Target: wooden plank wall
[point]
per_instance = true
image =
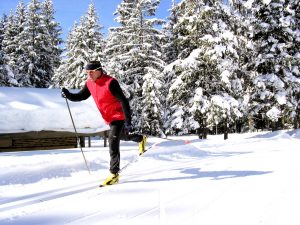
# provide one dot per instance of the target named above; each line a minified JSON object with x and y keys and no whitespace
{"x":42,"y":140}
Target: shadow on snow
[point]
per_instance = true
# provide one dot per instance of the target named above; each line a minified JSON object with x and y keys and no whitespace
{"x":195,"y":173}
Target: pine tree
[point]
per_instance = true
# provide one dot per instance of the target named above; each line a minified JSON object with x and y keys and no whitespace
{"x":53,"y":36}
{"x":135,"y":57}
{"x":184,"y":85}
{"x":9,"y":49}
{"x":241,"y":6}
{"x":94,"y":38}
{"x":294,"y":9}
{"x":240,"y":26}
{"x":69,"y":73}
{"x":85,"y":42}
{"x":277,"y":60}
{"x":9,"y":42}
{"x":152,"y":111}
{"x":20,"y":18}
{"x":32,"y":62}
{"x":31,"y":44}
{"x":207,"y":89}
{"x":170,"y":52}
{"x":121,"y":44}
{"x":3,"y":71}
{"x":170,"y":44}
{"x":3,"y":20}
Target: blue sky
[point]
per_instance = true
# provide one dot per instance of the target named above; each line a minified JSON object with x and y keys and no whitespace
{"x":69,"y":11}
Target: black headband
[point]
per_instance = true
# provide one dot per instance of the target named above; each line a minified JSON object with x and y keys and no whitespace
{"x":93,"y":66}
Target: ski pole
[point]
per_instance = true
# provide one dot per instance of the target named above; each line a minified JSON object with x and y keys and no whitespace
{"x":77,"y":136}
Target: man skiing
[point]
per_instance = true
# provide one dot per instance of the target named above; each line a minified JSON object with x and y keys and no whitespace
{"x":115,"y":110}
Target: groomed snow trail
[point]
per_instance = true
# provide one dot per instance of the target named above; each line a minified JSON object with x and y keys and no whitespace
{"x":249,"y":179}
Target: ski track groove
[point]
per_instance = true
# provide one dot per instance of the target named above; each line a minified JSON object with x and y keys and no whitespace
{"x":58,"y":194}
{"x":82,"y":219}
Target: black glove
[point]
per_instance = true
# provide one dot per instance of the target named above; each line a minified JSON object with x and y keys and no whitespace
{"x":65,"y":93}
{"x":128,"y":128}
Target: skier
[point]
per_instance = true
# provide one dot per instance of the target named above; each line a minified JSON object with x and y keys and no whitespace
{"x":115,"y":110}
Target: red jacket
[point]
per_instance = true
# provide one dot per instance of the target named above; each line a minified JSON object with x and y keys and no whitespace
{"x":108,"y":105}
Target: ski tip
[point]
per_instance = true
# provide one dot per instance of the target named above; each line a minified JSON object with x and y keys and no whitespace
{"x":142,"y":153}
{"x":105,"y":185}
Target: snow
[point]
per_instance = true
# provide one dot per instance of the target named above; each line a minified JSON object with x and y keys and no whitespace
{"x":273,"y":113}
{"x":248,"y":4}
{"x":36,"y":109}
{"x":281,"y":98}
{"x":266,"y":2}
{"x":249,"y":179}
{"x":191,"y":60}
{"x":225,"y":76}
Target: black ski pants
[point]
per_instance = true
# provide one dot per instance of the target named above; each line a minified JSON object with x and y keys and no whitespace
{"x":116,"y":134}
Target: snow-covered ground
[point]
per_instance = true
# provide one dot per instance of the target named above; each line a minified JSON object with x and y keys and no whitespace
{"x":250,"y":179}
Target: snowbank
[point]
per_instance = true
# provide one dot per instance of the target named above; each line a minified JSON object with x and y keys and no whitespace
{"x":36,"y":109}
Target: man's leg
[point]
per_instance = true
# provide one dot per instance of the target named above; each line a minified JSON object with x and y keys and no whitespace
{"x":141,"y":139}
{"x":131,"y":137}
{"x":116,"y":128}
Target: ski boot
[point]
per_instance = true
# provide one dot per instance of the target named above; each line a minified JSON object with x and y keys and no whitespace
{"x":112,"y":179}
{"x":142,"y":145}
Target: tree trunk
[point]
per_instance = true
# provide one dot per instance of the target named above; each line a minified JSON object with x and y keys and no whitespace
{"x":251,"y":124}
{"x":274,"y":126}
{"x":226,"y":129}
{"x":202,"y":130}
{"x":277,"y":125}
{"x":297,"y":121}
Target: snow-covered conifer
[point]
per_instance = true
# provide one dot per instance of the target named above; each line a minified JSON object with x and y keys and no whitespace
{"x":276,"y":81}
{"x":135,"y":57}
{"x":170,"y":52}
{"x":85,"y":42}
{"x":170,"y":44}
{"x":240,"y":24}
{"x":69,"y":73}
{"x":32,"y":62}
{"x":9,"y":42}
{"x":53,"y":36}
{"x":3,"y":71}
{"x":152,"y":110}
{"x":9,"y":49}
{"x":207,"y":89}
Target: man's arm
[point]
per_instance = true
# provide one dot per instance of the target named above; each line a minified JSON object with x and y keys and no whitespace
{"x":116,"y":91}
{"x":83,"y":94}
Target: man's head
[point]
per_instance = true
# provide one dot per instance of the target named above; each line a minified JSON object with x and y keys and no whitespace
{"x":93,"y":70}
